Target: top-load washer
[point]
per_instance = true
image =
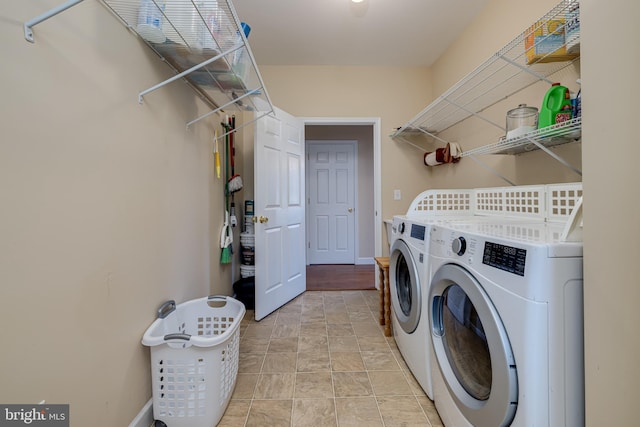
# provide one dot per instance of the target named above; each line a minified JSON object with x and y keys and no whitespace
{"x":506,"y":325}
{"x":407,"y":285}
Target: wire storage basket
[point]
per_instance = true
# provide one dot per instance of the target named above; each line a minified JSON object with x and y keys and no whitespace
{"x":194,"y":360}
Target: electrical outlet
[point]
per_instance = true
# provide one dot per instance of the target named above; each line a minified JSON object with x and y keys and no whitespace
{"x":397,"y":195}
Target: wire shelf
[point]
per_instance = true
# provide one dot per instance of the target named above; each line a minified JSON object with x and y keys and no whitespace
{"x":205,"y":44}
{"x":505,"y":73}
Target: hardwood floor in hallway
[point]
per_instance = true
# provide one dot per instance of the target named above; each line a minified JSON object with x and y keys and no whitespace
{"x":332,"y":277}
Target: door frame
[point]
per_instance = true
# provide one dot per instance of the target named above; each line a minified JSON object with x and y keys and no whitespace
{"x":377,"y":167}
{"x":354,"y":144}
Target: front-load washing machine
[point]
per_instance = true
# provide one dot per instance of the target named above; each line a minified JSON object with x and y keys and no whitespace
{"x":407,"y":285}
{"x":506,"y":325}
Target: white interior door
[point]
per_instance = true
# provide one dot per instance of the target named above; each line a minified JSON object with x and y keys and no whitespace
{"x":279,"y":210}
{"x":331,"y":202}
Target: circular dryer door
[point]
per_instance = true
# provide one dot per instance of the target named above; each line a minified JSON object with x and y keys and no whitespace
{"x":404,"y":285}
{"x":472,"y":348}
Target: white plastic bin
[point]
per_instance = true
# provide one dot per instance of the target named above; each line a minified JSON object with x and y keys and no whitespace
{"x":194,"y":359}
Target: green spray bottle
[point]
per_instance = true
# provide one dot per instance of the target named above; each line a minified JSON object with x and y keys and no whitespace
{"x":556,"y":106}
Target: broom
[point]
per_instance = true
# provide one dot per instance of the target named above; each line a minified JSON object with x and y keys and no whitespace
{"x":226,"y":236}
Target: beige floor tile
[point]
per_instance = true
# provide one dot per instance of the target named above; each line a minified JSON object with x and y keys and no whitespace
{"x":379,"y":361}
{"x":291,"y":308}
{"x":245,"y":386}
{"x":358,"y":412}
{"x":367,"y":329}
{"x":285,"y":331}
{"x":339,"y":330}
{"x":361,"y":316}
{"x":279,"y":362}
{"x":313,"y":328}
{"x":337,"y":317}
{"x":429,"y":408}
{"x":339,"y":307}
{"x":346,"y":343}
{"x":309,"y":343}
{"x":314,"y":314}
{"x":270,"y":413}
{"x":314,"y":413}
{"x":288,"y":318}
{"x":346,"y":361}
{"x":314,"y":362}
{"x":275,"y":386}
{"x":389,"y":383}
{"x":351,"y":384}
{"x":401,"y":411}
{"x":283,"y":345}
{"x":236,"y":414}
{"x":255,"y":330}
{"x":254,"y":345}
{"x":375,"y":343}
{"x":250,"y":362}
{"x":313,"y":385}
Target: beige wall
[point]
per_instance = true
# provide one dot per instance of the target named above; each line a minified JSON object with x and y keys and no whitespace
{"x":612,"y":208}
{"x":109,"y":208}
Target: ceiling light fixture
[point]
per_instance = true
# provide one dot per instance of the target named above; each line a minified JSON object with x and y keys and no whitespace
{"x":357,"y":1}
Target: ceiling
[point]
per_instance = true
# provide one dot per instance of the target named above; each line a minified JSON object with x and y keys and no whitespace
{"x":339,"y":32}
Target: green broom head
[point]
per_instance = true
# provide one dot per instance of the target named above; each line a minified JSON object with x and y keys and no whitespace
{"x":225,"y":255}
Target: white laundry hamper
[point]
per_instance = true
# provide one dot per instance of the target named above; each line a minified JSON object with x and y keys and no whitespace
{"x":194,"y":360}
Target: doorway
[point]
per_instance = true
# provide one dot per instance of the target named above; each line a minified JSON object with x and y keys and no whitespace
{"x":366,"y":131}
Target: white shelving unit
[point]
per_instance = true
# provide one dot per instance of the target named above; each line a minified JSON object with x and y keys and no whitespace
{"x":504,"y":74}
{"x":202,"y":40}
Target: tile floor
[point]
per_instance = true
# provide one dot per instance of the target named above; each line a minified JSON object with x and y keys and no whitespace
{"x":322,"y":360}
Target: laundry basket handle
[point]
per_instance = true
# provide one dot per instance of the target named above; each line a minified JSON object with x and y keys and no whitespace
{"x":185,"y":337}
{"x":219,"y":297}
{"x":166,"y":309}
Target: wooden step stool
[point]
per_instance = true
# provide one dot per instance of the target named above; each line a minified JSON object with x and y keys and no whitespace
{"x":385,"y":303}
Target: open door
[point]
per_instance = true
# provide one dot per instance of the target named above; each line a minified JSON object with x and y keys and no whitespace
{"x":280,"y":273}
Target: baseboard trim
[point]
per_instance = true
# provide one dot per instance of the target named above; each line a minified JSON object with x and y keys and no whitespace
{"x":144,"y":417}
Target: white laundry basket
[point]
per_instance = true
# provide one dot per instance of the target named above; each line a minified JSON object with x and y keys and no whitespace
{"x":194,"y":360}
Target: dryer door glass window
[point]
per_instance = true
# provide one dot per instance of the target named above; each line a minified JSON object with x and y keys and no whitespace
{"x":465,"y":343}
{"x":403,"y":285}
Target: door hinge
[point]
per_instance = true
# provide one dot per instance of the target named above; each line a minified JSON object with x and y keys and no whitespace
{"x":309,"y":245}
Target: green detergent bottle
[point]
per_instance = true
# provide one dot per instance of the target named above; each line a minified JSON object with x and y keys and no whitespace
{"x":556,"y":107}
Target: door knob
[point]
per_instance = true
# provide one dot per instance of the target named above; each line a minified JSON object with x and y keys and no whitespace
{"x":350,"y":210}
{"x":263,"y":219}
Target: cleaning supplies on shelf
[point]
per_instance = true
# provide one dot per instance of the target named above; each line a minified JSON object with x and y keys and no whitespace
{"x":572,"y":32}
{"x":556,"y":106}
{"x":545,"y":42}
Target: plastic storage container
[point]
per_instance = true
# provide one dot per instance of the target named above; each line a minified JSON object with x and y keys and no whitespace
{"x":194,"y":359}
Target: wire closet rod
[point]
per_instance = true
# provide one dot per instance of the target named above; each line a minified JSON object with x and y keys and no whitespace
{"x":28,"y":26}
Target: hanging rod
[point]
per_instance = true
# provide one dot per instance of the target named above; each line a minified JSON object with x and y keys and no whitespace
{"x":28,"y":26}
{"x":235,"y":100}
